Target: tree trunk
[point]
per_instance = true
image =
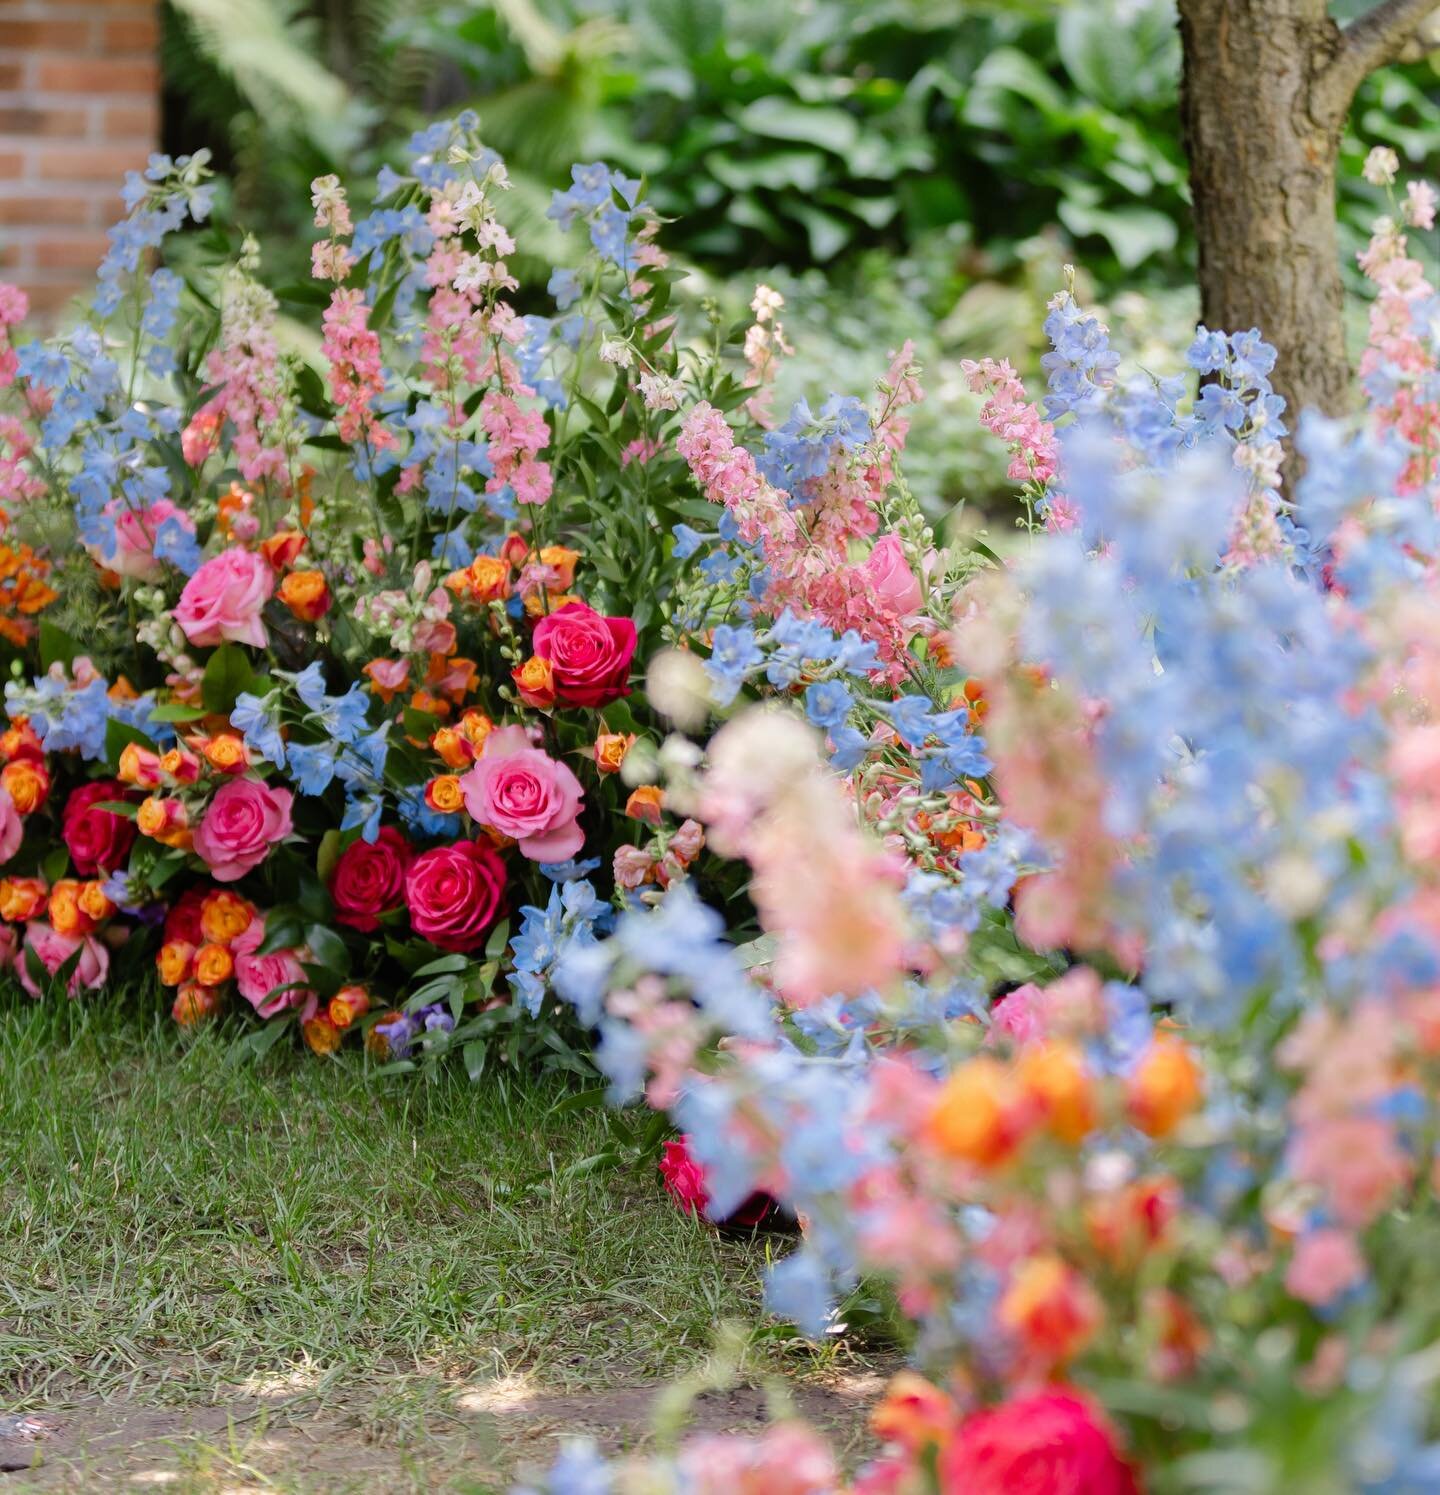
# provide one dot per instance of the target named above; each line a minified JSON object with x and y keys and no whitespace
{"x":1262,"y":121}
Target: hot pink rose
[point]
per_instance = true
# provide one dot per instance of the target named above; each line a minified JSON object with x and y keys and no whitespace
{"x":685,"y":1183}
{"x":1052,"y":1443}
{"x":261,"y":978}
{"x":223,"y":599}
{"x":12,"y":828}
{"x":369,"y":878}
{"x":525,"y":794}
{"x":455,"y":893}
{"x":98,"y":840}
{"x":245,"y":819}
{"x":53,"y":950}
{"x":589,"y":655}
{"x":135,"y":532}
{"x":892,"y":581}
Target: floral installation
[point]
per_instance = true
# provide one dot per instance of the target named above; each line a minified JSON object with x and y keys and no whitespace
{"x":1122,"y":1075}
{"x":1077,"y":977}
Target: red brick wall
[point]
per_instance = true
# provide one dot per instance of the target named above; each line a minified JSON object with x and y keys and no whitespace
{"x":79,"y":106}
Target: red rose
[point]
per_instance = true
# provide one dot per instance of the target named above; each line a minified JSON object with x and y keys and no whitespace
{"x":98,"y":840}
{"x":182,"y":921}
{"x":684,"y":1181}
{"x":369,"y":878}
{"x":455,"y":893}
{"x":589,"y":656}
{"x":1053,"y":1443}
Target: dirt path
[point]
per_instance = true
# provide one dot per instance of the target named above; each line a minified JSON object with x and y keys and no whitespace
{"x":416,"y":1433}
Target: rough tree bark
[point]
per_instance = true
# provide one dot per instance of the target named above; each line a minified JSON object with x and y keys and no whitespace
{"x":1266,"y":91}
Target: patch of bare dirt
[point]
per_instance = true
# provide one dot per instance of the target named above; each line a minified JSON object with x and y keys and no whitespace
{"x":419,"y":1434}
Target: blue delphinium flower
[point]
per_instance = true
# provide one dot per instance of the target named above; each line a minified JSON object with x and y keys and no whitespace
{"x":828,"y":703}
{"x":733,"y":652}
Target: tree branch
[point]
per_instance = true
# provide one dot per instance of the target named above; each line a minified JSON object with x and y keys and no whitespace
{"x":1381,"y":35}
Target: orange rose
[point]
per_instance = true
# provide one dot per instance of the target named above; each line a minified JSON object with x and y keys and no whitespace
{"x":376,"y":1044}
{"x":477,"y":727}
{"x":535,"y":681}
{"x":978,"y":1116}
{"x":454,"y":748}
{"x":306,"y":594}
{"x":348,"y":1004}
{"x":1051,"y":1309}
{"x":1165,"y":1087}
{"x":194,"y":1003}
{"x":174,"y":961}
{"x":645,"y":803}
{"x":165,"y":821}
{"x":224,"y":916}
{"x":27,"y":782}
{"x":561,"y":561}
{"x":1054,"y":1075}
{"x":485,"y":579}
{"x":18,"y":740}
{"x":66,"y":915}
{"x":610,"y":749}
{"x":22,"y":898}
{"x":321,"y":1035}
{"x":213,"y":965}
{"x":913,"y":1413}
{"x":283,"y":548}
{"x":93,"y":902}
{"x":443,"y":794}
{"x":226,"y":753}
{"x":181,"y":765}
{"x":138,"y":766}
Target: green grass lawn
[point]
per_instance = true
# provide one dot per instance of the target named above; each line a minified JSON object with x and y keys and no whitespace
{"x":184,"y":1230}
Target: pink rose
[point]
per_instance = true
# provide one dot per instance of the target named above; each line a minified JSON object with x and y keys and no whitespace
{"x":455,"y":893}
{"x":135,"y":532}
{"x":1054,"y":1441}
{"x":223,"y":599}
{"x":245,"y":819}
{"x":1326,"y":1263}
{"x":891,"y":580}
{"x":53,"y":950}
{"x":589,"y":655}
{"x":525,"y":794}
{"x":262,"y":977}
{"x":685,"y":1182}
{"x":12,"y":828}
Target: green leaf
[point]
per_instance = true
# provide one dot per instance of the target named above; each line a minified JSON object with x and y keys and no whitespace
{"x":446,"y":965}
{"x":56,"y":646}
{"x":175,"y":713}
{"x":283,"y":931}
{"x":495,"y":945}
{"x":1134,"y":234}
{"x":227,"y":674}
{"x":329,"y":950}
{"x":420,"y":725}
{"x":327,"y":854}
{"x":828,"y":234}
{"x":55,"y":865}
{"x":474,"y":1054}
{"x":117,"y":807}
{"x":782,"y":119}
{"x":581,"y":1100}
{"x":757,"y":952}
